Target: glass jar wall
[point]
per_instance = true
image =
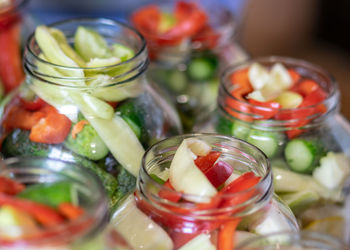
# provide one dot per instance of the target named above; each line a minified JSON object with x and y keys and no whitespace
{"x":284,"y":240}
{"x":166,"y":211}
{"x":11,"y":72}
{"x":308,"y":144}
{"x":46,"y":205}
{"x":189,"y":42}
{"x":86,"y":100}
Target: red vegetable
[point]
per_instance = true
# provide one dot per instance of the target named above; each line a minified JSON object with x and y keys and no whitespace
{"x":10,"y":187}
{"x":207,"y":161}
{"x":11,"y":72}
{"x":170,"y":195}
{"x":219,"y":173}
{"x":265,"y":110}
{"x":190,"y":19}
{"x":51,"y":129}
{"x":239,"y":187}
{"x":70,"y":211}
{"x":33,"y":105}
{"x":46,"y":215}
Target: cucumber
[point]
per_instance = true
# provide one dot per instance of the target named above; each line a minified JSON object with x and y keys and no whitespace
{"x":122,"y":52}
{"x":51,"y":194}
{"x":303,"y":155}
{"x":269,"y":142}
{"x":202,"y":68}
{"x":87,"y":143}
{"x":235,"y":128}
{"x":18,"y":144}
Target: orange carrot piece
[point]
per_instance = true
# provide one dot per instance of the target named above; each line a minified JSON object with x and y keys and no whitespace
{"x":70,"y":211}
{"x":78,"y":127}
{"x":226,"y":235}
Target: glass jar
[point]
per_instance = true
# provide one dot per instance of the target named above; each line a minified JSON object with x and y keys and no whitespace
{"x":149,"y":220}
{"x":286,"y":240}
{"x":186,"y":60}
{"x":99,"y":117}
{"x":308,"y":145}
{"x":89,"y":231}
{"x":11,"y":72}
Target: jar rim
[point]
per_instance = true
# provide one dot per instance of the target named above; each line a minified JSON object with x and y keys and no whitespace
{"x":311,"y":237}
{"x":94,"y":217}
{"x":13,"y":7}
{"x":330,"y":101}
{"x":263,"y":189}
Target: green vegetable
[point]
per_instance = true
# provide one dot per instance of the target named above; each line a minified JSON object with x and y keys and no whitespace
{"x":18,"y":144}
{"x":122,"y":52}
{"x":87,"y":143}
{"x":124,"y":144}
{"x":126,"y":181}
{"x":269,"y":142}
{"x":51,"y":194}
{"x":90,"y":44}
{"x":202,"y":68}
{"x":53,"y":52}
{"x":303,"y":155}
{"x":157,"y":179}
{"x":134,"y":117}
{"x":235,"y":128}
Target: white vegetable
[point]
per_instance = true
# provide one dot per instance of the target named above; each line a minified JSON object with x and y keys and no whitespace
{"x":279,"y":75}
{"x":138,"y":229}
{"x":275,"y":221}
{"x":201,"y":242}
{"x":334,"y":169}
{"x":186,"y":177}
{"x":268,"y":85}
{"x":258,"y":76}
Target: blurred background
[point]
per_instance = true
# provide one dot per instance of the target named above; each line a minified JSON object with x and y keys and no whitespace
{"x":314,"y":30}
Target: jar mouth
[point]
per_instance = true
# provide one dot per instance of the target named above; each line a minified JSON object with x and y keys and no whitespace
{"x":127,"y":70}
{"x":281,"y":116}
{"x":43,"y":170}
{"x":232,"y":149}
{"x":286,"y":238}
{"x":220,"y":20}
{"x":13,"y":7}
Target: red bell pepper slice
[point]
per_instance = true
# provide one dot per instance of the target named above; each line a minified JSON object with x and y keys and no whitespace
{"x":51,"y":129}
{"x":207,"y":161}
{"x":265,"y":110}
{"x":170,"y":195}
{"x":226,"y":235}
{"x":10,"y":187}
{"x":147,"y":19}
{"x":207,"y":37}
{"x":11,"y":72}
{"x":46,"y":215}
{"x":33,"y":105}
{"x":18,"y":117}
{"x":294,"y":75}
{"x":219,"y":173}
{"x":70,"y":211}
{"x":241,"y":184}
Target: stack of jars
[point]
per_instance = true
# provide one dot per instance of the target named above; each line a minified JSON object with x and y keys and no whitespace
{"x":95,"y":158}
